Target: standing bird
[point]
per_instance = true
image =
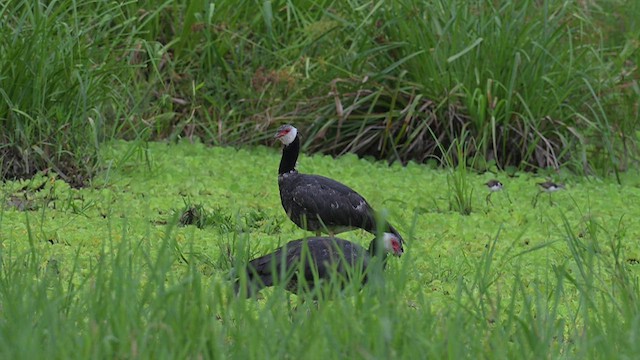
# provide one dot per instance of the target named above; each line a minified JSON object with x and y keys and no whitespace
{"x":298,"y":260}
{"x":317,"y":203}
{"x":494,"y":186}
{"x":548,"y":187}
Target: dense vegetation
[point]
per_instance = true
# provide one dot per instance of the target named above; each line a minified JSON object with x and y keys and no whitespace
{"x":533,"y":84}
{"x":107,"y":272}
{"x":128,"y":97}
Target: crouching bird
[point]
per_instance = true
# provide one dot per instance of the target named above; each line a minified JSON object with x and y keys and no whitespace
{"x":300,"y":265}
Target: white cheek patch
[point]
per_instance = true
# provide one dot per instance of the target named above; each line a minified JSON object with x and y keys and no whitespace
{"x":388,"y":239}
{"x":290,"y":136}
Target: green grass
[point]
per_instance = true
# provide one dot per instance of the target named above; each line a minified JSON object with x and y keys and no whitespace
{"x":57,"y":89}
{"x":137,"y":263}
{"x":107,"y":271}
{"x":536,"y":84}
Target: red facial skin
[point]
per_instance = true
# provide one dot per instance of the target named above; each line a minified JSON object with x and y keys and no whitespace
{"x":282,"y":133}
{"x":397,"y":249}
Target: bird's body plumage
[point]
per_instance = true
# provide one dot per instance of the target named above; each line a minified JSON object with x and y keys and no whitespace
{"x":494,"y":185}
{"x":318,"y":203}
{"x":550,"y":186}
{"x":313,"y":258}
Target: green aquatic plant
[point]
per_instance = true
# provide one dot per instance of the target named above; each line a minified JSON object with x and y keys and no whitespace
{"x":122,"y":278}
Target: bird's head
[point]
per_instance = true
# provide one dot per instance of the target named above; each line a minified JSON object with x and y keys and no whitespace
{"x":494,"y":185}
{"x":392,"y":244}
{"x":286,"y":134}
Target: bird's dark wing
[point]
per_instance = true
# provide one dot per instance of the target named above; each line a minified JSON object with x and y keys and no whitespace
{"x":305,"y":259}
{"x":327,"y":255}
{"x":297,"y":259}
{"x":334,"y":203}
{"x":265,"y":266}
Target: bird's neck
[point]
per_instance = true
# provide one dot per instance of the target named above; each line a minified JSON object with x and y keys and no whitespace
{"x":375,"y":249}
{"x":289,"y":157}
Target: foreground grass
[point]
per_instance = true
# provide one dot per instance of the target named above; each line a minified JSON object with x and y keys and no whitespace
{"x":104,"y":272}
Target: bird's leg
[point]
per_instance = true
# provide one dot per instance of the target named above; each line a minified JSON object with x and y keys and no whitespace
{"x":508,"y":197}
{"x":488,"y":199}
{"x":535,"y":199}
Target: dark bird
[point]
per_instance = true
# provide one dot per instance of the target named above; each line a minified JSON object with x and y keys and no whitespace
{"x":317,"y":203}
{"x":326,"y":257}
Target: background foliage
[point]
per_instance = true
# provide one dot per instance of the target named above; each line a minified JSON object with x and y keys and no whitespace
{"x":536,"y":84}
